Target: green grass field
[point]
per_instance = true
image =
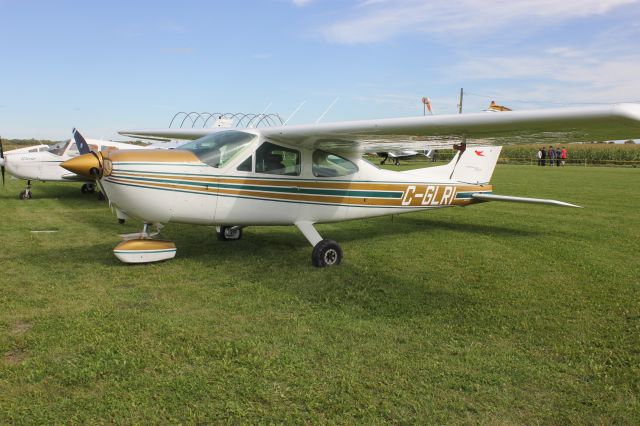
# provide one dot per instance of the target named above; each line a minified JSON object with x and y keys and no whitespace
{"x":498,"y":313}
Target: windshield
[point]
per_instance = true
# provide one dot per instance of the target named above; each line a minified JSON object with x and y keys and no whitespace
{"x":58,"y":149}
{"x":219,"y":148}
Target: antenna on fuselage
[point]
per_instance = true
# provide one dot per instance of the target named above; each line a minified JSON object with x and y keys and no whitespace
{"x":328,"y":109}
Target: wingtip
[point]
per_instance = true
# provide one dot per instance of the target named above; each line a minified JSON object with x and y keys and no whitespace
{"x":628,"y":110}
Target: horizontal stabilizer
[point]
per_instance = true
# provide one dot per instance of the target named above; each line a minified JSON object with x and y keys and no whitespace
{"x":494,"y":197}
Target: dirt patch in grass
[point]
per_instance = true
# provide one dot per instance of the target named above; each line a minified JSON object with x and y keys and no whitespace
{"x":15,"y":356}
{"x":21,"y":327}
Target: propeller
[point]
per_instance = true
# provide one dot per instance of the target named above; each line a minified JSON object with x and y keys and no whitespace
{"x":2,"y":160}
{"x":84,"y":165}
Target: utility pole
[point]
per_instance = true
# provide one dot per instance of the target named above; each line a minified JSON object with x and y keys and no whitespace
{"x":460,"y":104}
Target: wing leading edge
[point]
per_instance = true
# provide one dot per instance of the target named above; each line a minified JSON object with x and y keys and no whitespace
{"x":584,"y":124}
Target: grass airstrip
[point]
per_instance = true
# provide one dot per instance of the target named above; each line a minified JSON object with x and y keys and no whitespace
{"x":497,"y":313}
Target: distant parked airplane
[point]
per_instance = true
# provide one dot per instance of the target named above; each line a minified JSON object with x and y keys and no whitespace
{"x":42,"y":163}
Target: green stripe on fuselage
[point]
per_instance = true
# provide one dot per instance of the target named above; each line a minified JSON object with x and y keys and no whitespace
{"x":279,"y":189}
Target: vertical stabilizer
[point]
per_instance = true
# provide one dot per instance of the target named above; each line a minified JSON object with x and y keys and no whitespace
{"x":476,"y":164}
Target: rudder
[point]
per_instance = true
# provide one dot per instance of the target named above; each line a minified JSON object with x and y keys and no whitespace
{"x":475,"y":165}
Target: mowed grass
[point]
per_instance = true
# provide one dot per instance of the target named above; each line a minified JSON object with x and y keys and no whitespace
{"x":496,"y":313}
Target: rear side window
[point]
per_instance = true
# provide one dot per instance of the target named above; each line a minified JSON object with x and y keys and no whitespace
{"x":277,"y":160}
{"x":326,"y":164}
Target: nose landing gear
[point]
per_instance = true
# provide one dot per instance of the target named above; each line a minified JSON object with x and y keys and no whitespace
{"x":88,"y":188}
{"x":26,"y":193}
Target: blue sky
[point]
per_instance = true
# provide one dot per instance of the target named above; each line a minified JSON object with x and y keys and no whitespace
{"x":105,"y":66}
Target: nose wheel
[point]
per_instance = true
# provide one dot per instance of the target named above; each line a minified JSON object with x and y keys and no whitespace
{"x":88,"y":188}
{"x":26,"y":193}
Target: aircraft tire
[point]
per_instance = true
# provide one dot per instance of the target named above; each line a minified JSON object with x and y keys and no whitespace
{"x":26,"y":195}
{"x":87,"y":188}
{"x":227,"y":233}
{"x":326,"y":253}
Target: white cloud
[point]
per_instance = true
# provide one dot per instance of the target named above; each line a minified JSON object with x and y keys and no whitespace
{"x":378,"y":20}
{"x":301,"y":3}
{"x":561,"y":74}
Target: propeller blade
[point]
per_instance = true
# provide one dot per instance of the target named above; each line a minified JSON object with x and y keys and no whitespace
{"x":2,"y":157}
{"x":97,"y":174}
{"x":81,"y":143}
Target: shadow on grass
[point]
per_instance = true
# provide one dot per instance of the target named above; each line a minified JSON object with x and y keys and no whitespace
{"x":278,"y":258}
{"x":49,"y":190}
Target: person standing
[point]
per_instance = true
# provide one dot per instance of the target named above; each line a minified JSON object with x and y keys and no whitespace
{"x":540,"y":157}
{"x":544,"y":156}
{"x":558,"y":154}
{"x":551,"y":154}
{"x":563,"y":154}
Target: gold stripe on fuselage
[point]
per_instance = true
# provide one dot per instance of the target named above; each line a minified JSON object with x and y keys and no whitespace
{"x":153,"y":156}
{"x":412,"y":195}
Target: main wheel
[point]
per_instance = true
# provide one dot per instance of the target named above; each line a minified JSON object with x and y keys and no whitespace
{"x":326,"y":253}
{"x":26,"y":195}
{"x":229,"y":233}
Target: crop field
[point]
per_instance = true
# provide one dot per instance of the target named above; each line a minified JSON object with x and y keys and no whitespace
{"x":497,"y":313}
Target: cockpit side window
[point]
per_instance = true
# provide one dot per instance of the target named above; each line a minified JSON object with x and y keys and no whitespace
{"x":219,"y":148}
{"x":326,"y":164}
{"x":246,"y":165}
{"x":277,"y":160}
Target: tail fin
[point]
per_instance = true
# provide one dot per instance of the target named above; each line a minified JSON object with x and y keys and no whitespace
{"x":81,"y":143}
{"x":475,"y":164}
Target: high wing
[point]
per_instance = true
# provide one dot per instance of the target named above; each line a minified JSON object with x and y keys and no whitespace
{"x":585,"y":124}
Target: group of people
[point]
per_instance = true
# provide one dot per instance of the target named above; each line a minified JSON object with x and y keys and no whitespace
{"x":557,"y":156}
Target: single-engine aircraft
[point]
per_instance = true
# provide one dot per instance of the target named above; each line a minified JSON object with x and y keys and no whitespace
{"x":308,"y":174}
{"x":43,"y":165}
{"x":397,"y":155}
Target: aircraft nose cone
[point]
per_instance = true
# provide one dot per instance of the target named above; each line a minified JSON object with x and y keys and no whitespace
{"x":87,"y":165}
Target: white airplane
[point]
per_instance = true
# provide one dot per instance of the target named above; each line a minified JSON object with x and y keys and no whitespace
{"x":397,"y":155}
{"x":44,"y":164}
{"x":309,"y":174}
